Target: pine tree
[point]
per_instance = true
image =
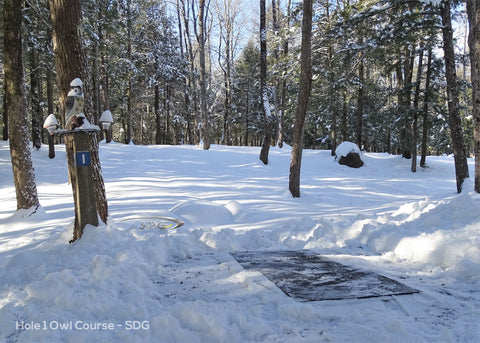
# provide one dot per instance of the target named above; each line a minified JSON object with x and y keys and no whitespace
{"x":245,"y":95}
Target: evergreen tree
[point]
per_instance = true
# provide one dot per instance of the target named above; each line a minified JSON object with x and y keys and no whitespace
{"x":246,"y":96}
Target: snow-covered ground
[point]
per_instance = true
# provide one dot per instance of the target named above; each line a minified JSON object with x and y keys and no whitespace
{"x":122,"y":284}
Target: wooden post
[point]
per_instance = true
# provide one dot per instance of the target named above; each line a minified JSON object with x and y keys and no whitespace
{"x":51,"y":146}
{"x":82,"y":182}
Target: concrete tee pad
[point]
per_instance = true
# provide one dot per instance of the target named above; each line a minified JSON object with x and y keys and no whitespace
{"x":306,"y":276}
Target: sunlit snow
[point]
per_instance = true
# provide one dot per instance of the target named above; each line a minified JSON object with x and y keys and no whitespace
{"x":123,"y":284}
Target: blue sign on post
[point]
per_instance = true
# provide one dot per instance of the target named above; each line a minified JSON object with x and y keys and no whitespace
{"x":83,"y":158}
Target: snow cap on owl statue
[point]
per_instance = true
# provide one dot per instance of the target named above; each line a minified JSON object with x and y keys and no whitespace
{"x":77,"y":87}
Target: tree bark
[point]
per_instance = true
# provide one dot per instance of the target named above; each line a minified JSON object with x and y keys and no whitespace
{"x":71,"y":63}
{"x":129,"y":119}
{"x":283,"y":105}
{"x":158,"y":118}
{"x":267,"y":135}
{"x":5,"y":115}
{"x":361,"y":99}
{"x":455,"y":122}
{"x":23,"y":172}
{"x":473,"y":10}
{"x":227,"y":14}
{"x":426,"y":99}
{"x":203,"y":77}
{"x":35,"y":90}
{"x":303,"y":95}
{"x":415,"y":110}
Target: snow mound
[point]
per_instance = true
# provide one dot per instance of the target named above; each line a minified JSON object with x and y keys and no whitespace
{"x":202,"y":212}
{"x":345,"y":148}
{"x":442,"y":235}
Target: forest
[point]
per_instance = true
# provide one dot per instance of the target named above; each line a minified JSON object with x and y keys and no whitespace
{"x":377,"y":67}
{"x":384,"y":73}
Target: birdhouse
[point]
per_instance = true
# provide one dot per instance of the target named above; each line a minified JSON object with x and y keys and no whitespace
{"x":106,"y":119}
{"x":51,"y":124}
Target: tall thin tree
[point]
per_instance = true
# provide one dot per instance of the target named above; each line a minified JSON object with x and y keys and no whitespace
{"x":129,"y":115}
{"x":426,"y":99}
{"x":473,"y":10}
{"x":455,"y":121}
{"x":303,"y":95}
{"x":281,"y":121}
{"x":23,"y":172}
{"x":267,"y":135}
{"x":205,"y":132}
{"x":415,"y":110}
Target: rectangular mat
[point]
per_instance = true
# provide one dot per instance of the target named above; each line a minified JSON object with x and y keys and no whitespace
{"x":305,"y":276}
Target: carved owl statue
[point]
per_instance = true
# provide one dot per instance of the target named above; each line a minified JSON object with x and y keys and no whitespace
{"x":74,"y":105}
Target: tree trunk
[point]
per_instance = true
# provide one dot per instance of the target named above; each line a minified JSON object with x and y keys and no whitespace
{"x":455,"y":122}
{"x":35,"y":92}
{"x":205,"y":132}
{"x":415,"y":110}
{"x":344,"y":115}
{"x":267,"y":135}
{"x":361,"y":96}
{"x":97,"y":108}
{"x":425,"y":110}
{"x":49,"y":82}
{"x":158,"y":119}
{"x":129,"y":119}
{"x":473,"y":10}
{"x":283,"y":106}
{"x":408,"y":70}
{"x":227,"y":16}
{"x":71,"y":63}
{"x":277,"y":79}
{"x":303,"y":95}
{"x":5,"y":115}
{"x":191,"y":83}
{"x":23,"y":173}
{"x":189,"y":136}
{"x":332,"y":108}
